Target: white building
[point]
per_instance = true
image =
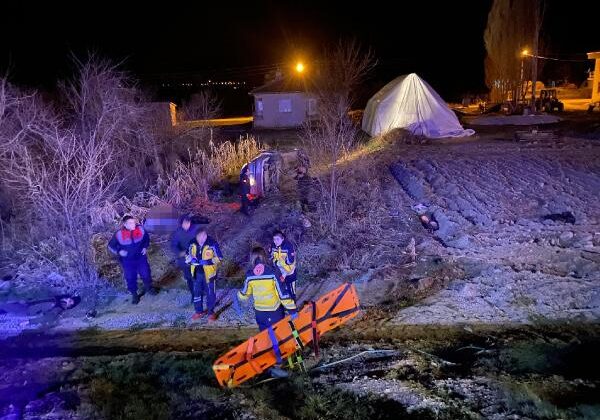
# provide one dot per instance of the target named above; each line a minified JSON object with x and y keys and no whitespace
{"x":283,"y":103}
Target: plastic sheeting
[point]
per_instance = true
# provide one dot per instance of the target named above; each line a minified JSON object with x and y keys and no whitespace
{"x":409,"y":102}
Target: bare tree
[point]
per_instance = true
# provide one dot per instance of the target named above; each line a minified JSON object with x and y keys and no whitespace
{"x":538,"y":8}
{"x":21,"y":113}
{"x":511,"y":28}
{"x":105,"y":106}
{"x":330,"y":136}
{"x":204,"y":105}
{"x":65,"y":164}
{"x":194,"y":127}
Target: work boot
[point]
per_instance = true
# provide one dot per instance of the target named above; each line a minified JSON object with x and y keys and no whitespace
{"x":135,"y":299}
{"x":198,"y":315}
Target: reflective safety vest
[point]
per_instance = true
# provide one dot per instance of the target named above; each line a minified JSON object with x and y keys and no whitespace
{"x":210,"y":253}
{"x":268,"y":292}
{"x":284,"y":256}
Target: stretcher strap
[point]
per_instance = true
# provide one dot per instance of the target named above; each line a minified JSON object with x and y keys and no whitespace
{"x":249,"y":349}
{"x":298,"y":363}
{"x":249,"y":356}
{"x":315,"y":333}
{"x":296,"y":335}
{"x":275,"y":344}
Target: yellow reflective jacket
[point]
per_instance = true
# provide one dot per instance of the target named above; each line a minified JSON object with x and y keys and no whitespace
{"x":268,"y":292}
{"x":210,"y":254}
{"x":284,"y":257}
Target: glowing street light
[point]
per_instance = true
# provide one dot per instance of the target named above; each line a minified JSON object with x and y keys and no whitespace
{"x":299,"y":67}
{"x":525,"y":52}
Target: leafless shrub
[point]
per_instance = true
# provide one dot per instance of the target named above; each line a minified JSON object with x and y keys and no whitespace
{"x":201,"y":106}
{"x":331,"y":136}
{"x":64,"y":165}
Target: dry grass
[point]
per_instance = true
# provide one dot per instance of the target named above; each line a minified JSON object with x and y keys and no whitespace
{"x":231,"y":156}
{"x":112,"y":211}
{"x":193,"y":180}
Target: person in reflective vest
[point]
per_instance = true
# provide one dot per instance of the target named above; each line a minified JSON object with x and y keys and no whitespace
{"x":283,"y":256}
{"x":204,"y":257}
{"x":271,"y":296}
{"x":130,"y":245}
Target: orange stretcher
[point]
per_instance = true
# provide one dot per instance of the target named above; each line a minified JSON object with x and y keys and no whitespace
{"x":284,"y":338}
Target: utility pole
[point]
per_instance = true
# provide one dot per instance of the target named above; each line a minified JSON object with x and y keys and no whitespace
{"x":522,"y":89}
{"x":538,"y":16}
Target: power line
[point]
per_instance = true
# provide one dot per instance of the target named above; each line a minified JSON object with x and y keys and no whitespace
{"x":556,"y":59}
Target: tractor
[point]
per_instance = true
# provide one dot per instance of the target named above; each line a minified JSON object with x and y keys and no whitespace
{"x":548,"y":101}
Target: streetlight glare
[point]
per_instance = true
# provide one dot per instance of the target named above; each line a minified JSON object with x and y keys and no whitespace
{"x":299,"y":67}
{"x":525,"y":52}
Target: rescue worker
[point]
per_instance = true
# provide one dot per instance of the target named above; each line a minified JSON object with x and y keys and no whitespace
{"x":283,"y":256}
{"x":306,"y":188}
{"x":245,"y":191}
{"x":130,"y":244}
{"x":180,"y":242}
{"x":204,"y":257}
{"x":270,"y":294}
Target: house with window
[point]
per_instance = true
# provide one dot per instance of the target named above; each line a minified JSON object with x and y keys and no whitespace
{"x":283,"y":103}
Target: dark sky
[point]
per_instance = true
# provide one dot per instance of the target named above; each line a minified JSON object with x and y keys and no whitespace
{"x":442,"y":41}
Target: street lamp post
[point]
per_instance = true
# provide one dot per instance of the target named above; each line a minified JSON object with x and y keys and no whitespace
{"x":524,"y":53}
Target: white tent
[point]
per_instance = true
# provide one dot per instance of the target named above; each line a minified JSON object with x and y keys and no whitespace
{"x":409,"y":102}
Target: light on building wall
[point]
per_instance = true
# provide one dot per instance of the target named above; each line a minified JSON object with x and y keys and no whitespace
{"x":300,"y":67}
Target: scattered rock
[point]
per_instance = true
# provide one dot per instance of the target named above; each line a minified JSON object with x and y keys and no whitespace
{"x":466,"y":290}
{"x":460,"y":242}
{"x":566,"y":239}
{"x":584,"y":240}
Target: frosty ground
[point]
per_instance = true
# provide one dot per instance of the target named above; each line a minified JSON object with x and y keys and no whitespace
{"x":493,"y":315}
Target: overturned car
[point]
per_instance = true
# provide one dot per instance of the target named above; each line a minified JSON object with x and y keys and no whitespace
{"x":264,"y":173}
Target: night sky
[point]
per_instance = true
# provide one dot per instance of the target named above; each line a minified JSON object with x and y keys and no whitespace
{"x":441,"y":41}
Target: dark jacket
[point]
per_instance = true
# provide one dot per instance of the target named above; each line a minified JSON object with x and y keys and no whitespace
{"x":131,"y":241}
{"x":181,"y":239}
{"x":244,"y":182}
